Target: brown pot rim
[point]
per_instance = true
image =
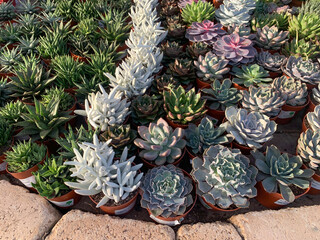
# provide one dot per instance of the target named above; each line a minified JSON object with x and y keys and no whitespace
{"x":287,"y":107}
{"x":216,"y":208}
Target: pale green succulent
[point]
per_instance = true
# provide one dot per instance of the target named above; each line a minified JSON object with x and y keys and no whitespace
{"x":198,"y":12}
{"x":271,"y":37}
{"x":313,"y":118}
{"x":306,"y":26}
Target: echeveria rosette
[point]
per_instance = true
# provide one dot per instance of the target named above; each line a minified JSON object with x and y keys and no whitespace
{"x":224,"y":177}
{"x":271,"y":38}
{"x":183,"y":3}
{"x":205,"y":31}
{"x":315,"y":95}
{"x":211,"y":67}
{"x":309,"y":148}
{"x":271,"y":62}
{"x":278,"y":172}
{"x":251,"y":129}
{"x":160,"y":143}
{"x":166,"y":191}
{"x":304,"y":70}
{"x":201,"y":137}
{"x":238,"y":50}
{"x":242,"y":31}
{"x":313,"y":118}
{"x":264,"y":99}
{"x":229,"y":14}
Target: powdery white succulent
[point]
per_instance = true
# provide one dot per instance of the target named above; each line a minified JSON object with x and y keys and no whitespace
{"x":103,"y":109}
{"x":97,"y":171}
{"x":229,"y":14}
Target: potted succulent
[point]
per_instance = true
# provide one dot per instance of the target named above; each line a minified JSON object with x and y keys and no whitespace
{"x":167,"y":194}
{"x":308,"y":150}
{"x":183,"y":107}
{"x":175,"y":27}
{"x":305,"y":25}
{"x":160,"y":144}
{"x":50,"y":183}
{"x":250,"y":129}
{"x":201,"y":137}
{"x":9,"y":35}
{"x":171,"y":50}
{"x":115,"y":191}
{"x":197,"y":49}
{"x":7,"y":11}
{"x":314,"y":98}
{"x":67,"y":101}
{"x":241,"y":30}
{"x":23,"y":159}
{"x":197,"y":12}
{"x":219,"y":97}
{"x":301,"y":48}
{"x":12,"y":112}
{"x":296,"y":97}
{"x":281,"y":178}
{"x":183,"y":70}
{"x":225,"y":179}
{"x":312,"y":120}
{"x":271,"y":62}
{"x":210,"y":67}
{"x":163,"y":82}
{"x":8,"y":59}
{"x":84,"y":10}
{"x":6,"y":140}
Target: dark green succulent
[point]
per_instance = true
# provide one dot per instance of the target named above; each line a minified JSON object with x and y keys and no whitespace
{"x":5,"y":92}
{"x":9,"y":33}
{"x":12,"y":111}
{"x":86,"y":86}
{"x":280,"y":20}
{"x":29,"y":25}
{"x":183,"y":70}
{"x":162,"y":82}
{"x":28,"y":46}
{"x":51,"y":45}
{"x":8,"y":59}
{"x":28,"y":7}
{"x":84,"y":10}
{"x":197,"y":49}
{"x":65,"y":9}
{"x":6,"y":132}
{"x":66,"y":100}
{"x":48,"y":6}
{"x":7,"y":11}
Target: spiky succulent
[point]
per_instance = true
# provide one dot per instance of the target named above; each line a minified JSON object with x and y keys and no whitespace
{"x":66,"y":100}
{"x":146,"y":109}
{"x":315,"y":95}
{"x":199,"y":138}
{"x":12,"y":111}
{"x":279,"y":172}
{"x":308,"y":148}
{"x":166,"y":191}
{"x":197,"y":12}
{"x":183,"y":70}
{"x":302,"y":48}
{"x":221,"y":95}
{"x":313,"y":119}
{"x":6,"y":133}
{"x":275,"y":19}
{"x":295,"y":91}
{"x":197,"y":49}
{"x":236,"y":49}
{"x":5,"y":92}
{"x":8,"y":59}
{"x":304,"y":70}
{"x":211,"y":67}
{"x":250,"y":75}
{"x":251,"y":129}
{"x":205,"y":31}
{"x":7,"y":11}
{"x":162,"y":82}
{"x":224,"y":177}
{"x":171,"y":50}
{"x":306,"y":26}
{"x":242,"y":31}
{"x":160,"y":143}
{"x":265,"y":99}
{"x":271,"y":62}
{"x":183,"y":107}
{"x":271,"y":38}
{"x":9,"y":33}
{"x":28,"y":7}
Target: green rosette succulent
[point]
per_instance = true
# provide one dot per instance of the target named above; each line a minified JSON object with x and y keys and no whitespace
{"x":6,"y":132}
{"x":160,"y":143}
{"x":66,"y":100}
{"x":271,"y":38}
{"x":313,"y":118}
{"x":5,"y":92}
{"x":252,"y":74}
{"x":166,"y":191}
{"x":302,"y":48}
{"x":198,"y":12}
{"x":224,"y":177}
{"x":307,"y":26}
{"x":183,"y":107}
{"x":221,"y":95}
{"x":279,"y":172}
{"x":12,"y":111}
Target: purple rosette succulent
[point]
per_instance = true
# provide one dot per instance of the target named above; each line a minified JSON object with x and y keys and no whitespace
{"x":236,"y":49}
{"x":206,"y":31}
{"x":184,"y":3}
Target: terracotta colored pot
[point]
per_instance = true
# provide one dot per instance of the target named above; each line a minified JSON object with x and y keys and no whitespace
{"x":191,"y":155}
{"x":65,"y":201}
{"x":78,"y":58}
{"x":119,"y":210}
{"x":214,"y":207}
{"x":217,"y":114}
{"x":71,"y":91}
{"x":176,"y":125}
{"x":296,"y":3}
{"x":245,"y":150}
{"x":201,"y":84}
{"x":217,"y":3}
{"x":10,"y":46}
{"x":13,"y":2}
{"x":304,"y":125}
{"x":274,"y":75}
{"x":311,"y":106}
{"x":239,"y":87}
{"x":315,"y":185}
{"x":122,"y":47}
{"x":174,"y":221}
{"x":273,"y":200}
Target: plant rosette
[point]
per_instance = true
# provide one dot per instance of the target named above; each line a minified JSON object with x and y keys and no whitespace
{"x":65,"y":201}
{"x":3,"y":164}
{"x":309,"y":85}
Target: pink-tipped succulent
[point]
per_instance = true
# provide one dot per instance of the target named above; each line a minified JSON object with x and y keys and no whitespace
{"x":184,"y":3}
{"x":206,"y":31}
{"x":236,"y":49}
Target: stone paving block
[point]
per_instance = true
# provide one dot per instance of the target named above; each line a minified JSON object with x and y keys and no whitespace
{"x":286,"y":224}
{"x":206,"y":231}
{"x":24,"y":215}
{"x":78,"y":225}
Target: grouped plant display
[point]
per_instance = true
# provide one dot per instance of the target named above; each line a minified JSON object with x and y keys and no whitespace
{"x":313,"y":119}
{"x":224,"y":177}
{"x":183,"y":70}
{"x":302,"y":48}
{"x":250,"y":75}
{"x":280,"y":173}
{"x":306,"y":25}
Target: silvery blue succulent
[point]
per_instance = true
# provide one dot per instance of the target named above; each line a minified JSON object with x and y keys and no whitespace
{"x":313,"y":118}
{"x":224,"y":177}
{"x":251,"y":129}
{"x":229,"y":14}
{"x":166,"y":191}
{"x":271,"y":62}
{"x":316,"y":94}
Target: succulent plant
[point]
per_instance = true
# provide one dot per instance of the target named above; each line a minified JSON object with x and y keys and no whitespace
{"x":66,"y":100}
{"x":166,"y":191}
{"x":295,"y":91}
{"x":271,"y":38}
{"x":275,"y":19}
{"x":29,"y":25}
{"x":302,"y":48}
{"x":12,"y":111}
{"x":52,"y":45}
{"x":252,"y":74}
{"x":221,"y":95}
{"x":197,"y":49}
{"x":315,"y":95}
{"x":98,"y":171}
{"x":105,"y":109}
{"x":279,"y":172}
{"x":308,"y":148}
{"x":48,"y":6}
{"x":197,"y":12}
{"x":211,"y":67}
{"x":306,"y":26}
{"x":199,"y":138}
{"x":183,"y":107}
{"x":251,"y":129}
{"x":28,"y":45}
{"x":160,"y":143}
{"x":265,"y":99}
{"x":236,"y":49}
{"x":224,"y":177}
{"x":184,"y":3}
{"x":6,"y":133}
{"x":171,"y":50}
{"x":162,"y":83}
{"x":121,"y":136}
{"x":7,"y":11}
{"x":5,"y":92}
{"x":183,"y":70}
{"x":176,"y":29}
{"x":313,"y":119}
{"x":9,"y":33}
{"x":242,"y":30}
{"x":146,"y":109}
{"x":8,"y":59}
{"x":49,"y":18}
{"x":28,"y":7}
{"x":303,"y":70}
{"x":64,"y":9}
{"x":84,"y":10}
{"x":205,"y":31}
{"x":271,"y":62}
{"x":25,"y":155}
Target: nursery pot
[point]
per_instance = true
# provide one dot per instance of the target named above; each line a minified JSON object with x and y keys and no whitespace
{"x":315,"y":185}
{"x":274,"y":75}
{"x":202,"y":84}
{"x":273,"y":200}
{"x":312,"y":105}
{"x":179,"y":125}
{"x":47,"y":61}
{"x":122,"y":47}
{"x":51,"y":145}
{"x":191,"y":155}
{"x":217,"y":3}
{"x":121,"y":209}
{"x":245,"y":150}
{"x":217,"y":114}
{"x":13,"y":2}
{"x":239,"y":87}
{"x":66,"y":201}
{"x":174,"y":221}
{"x":214,"y":207}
